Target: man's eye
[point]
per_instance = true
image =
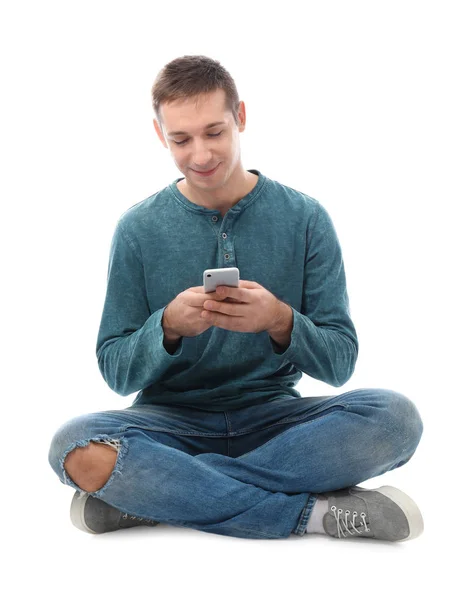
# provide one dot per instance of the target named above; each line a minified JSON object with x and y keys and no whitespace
{"x":209,"y":134}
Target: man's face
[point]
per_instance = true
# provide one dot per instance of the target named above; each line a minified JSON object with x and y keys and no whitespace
{"x":198,"y":147}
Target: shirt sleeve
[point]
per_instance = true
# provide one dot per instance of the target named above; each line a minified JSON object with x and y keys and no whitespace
{"x":129,"y":347}
{"x":324,"y":341}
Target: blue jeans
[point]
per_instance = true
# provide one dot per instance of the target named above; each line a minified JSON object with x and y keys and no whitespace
{"x":253,"y":472}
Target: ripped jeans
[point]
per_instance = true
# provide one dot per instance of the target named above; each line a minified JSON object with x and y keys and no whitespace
{"x":252,"y":472}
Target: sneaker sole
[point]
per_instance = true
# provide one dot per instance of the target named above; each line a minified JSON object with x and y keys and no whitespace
{"x":77,"y":510}
{"x":408,"y":506}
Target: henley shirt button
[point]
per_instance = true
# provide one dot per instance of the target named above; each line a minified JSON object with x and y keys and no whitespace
{"x":226,"y":256}
{"x":214,"y":218}
{"x":224,"y":235}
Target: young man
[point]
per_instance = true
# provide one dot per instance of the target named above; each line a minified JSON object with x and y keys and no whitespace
{"x":218,"y":438}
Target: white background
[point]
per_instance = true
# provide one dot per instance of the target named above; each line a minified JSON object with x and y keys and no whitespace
{"x":348,"y":102}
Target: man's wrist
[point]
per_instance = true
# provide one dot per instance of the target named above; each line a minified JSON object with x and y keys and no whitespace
{"x":170,"y":335}
{"x":171,"y":341}
{"x":282,"y":329}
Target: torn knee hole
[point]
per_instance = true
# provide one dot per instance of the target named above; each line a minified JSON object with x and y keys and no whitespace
{"x":112,"y":443}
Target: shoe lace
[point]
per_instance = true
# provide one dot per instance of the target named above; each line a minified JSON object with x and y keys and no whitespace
{"x":133,"y":518}
{"x":341,"y":522}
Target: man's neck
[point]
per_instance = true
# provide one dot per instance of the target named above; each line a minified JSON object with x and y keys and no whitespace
{"x":221,"y":199}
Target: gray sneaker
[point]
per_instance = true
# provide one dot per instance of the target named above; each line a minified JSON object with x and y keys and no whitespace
{"x":385,"y":513}
{"x":95,"y":516}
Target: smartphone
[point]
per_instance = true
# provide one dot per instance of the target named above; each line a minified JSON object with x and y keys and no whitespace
{"x":212,"y":278}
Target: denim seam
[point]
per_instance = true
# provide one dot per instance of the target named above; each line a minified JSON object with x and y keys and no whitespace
{"x":291,"y":419}
{"x":174,"y":431}
{"x":305,"y":515}
{"x":230,"y":433}
{"x":228,"y":429}
{"x":228,"y":421}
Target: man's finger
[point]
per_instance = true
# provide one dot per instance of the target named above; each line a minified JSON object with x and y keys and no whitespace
{"x":224,"y":308}
{"x":223,"y":321}
{"x":237,"y":294}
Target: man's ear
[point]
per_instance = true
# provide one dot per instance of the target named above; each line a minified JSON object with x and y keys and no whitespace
{"x":242,"y":116}
{"x":159,"y":132}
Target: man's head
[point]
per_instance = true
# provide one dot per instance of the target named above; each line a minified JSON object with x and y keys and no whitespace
{"x":189,"y":94}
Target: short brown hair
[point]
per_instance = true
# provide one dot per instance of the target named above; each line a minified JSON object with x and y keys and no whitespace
{"x":190,"y":76}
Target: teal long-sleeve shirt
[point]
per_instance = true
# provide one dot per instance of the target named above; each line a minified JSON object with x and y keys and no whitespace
{"x":277,"y":236}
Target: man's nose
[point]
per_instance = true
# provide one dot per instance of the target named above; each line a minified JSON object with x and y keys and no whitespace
{"x":202,"y":157}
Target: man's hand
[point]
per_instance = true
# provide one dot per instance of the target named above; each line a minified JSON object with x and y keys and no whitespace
{"x":250,"y":308}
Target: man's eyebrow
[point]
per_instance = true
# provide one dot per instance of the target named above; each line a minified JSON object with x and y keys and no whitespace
{"x":206,"y":127}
